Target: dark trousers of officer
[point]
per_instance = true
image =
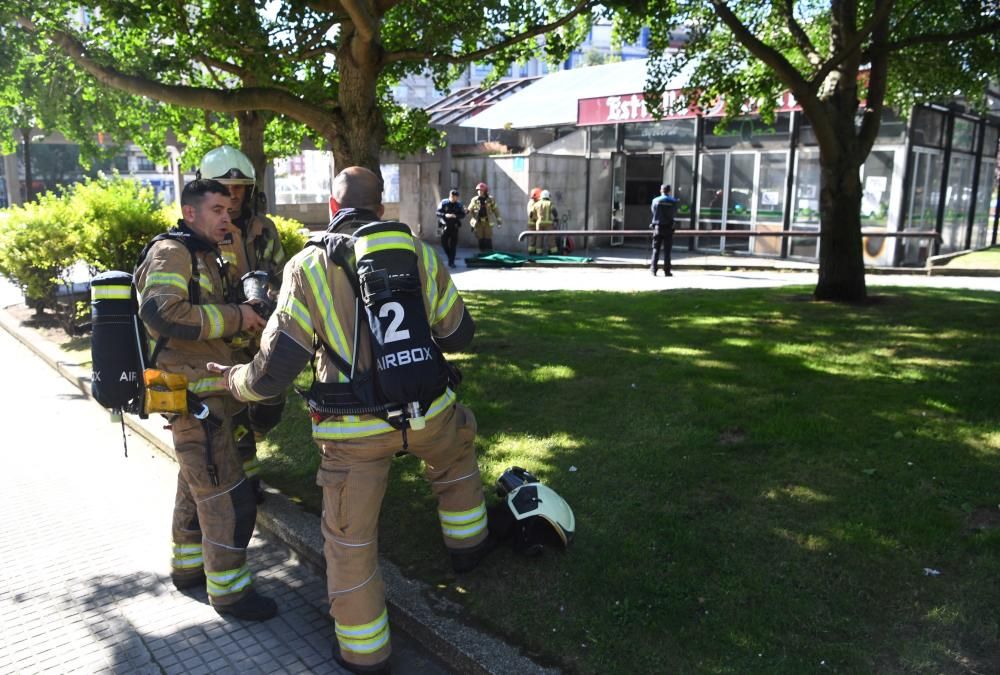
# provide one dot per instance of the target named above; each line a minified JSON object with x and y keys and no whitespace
{"x":663,"y":239}
{"x":449,"y":241}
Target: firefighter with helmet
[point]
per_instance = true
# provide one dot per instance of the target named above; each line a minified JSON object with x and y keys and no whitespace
{"x":543,"y":215}
{"x":484,"y":216}
{"x":252,"y":245}
{"x":536,"y":194}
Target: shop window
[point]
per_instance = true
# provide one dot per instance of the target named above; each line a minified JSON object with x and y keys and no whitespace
{"x":659,"y":136}
{"x":927,"y":127}
{"x":602,"y":139}
{"x":990,"y":141}
{"x":746,"y":132}
{"x":958,"y":201}
{"x":982,"y":223}
{"x":963,"y":137}
{"x":924,"y":194}
{"x":684,"y":187}
{"x":771,"y":187}
{"x":876,"y":181}
{"x":713,"y":184}
{"x":805,"y":205}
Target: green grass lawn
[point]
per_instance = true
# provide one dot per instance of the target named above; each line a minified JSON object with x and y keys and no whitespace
{"x":987,"y":259}
{"x":760,"y":480}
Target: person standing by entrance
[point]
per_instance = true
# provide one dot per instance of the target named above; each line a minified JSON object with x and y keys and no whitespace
{"x":663,"y":208}
{"x":450,"y":213}
{"x":483,"y":217}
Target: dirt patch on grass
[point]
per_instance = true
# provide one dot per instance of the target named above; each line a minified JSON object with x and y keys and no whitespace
{"x":732,"y":436}
{"x":982,"y":519}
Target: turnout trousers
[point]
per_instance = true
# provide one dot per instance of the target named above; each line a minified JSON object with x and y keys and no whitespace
{"x":212,"y":524}
{"x":353,"y":474}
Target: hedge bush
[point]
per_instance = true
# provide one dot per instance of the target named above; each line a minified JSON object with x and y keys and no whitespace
{"x":38,"y":248}
{"x":117,"y":217}
{"x":293,"y":234}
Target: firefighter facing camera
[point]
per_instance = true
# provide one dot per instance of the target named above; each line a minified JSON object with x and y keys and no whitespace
{"x":251,"y":247}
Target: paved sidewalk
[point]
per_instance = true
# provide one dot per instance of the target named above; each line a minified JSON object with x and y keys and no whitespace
{"x":84,"y":566}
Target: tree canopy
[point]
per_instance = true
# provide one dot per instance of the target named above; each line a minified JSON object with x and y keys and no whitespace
{"x":325,"y":68}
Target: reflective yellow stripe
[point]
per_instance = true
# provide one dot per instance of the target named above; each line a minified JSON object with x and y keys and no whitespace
{"x":297,"y":309}
{"x":206,"y":384}
{"x":383,"y":241}
{"x":251,"y":467}
{"x":447,"y":302}
{"x":364,"y":638}
{"x":229,"y":257}
{"x":463,"y":524}
{"x":187,"y":556}
{"x":353,"y":426}
{"x":110,"y":292}
{"x":430,"y":287}
{"x":165,"y":279}
{"x":316,"y":276}
{"x":205,"y":282}
{"x":228,"y":581}
{"x":216,"y":324}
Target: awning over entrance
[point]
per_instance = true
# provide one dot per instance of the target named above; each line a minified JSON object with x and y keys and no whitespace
{"x":552,"y":100}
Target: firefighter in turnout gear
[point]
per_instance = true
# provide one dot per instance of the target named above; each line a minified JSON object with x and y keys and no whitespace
{"x":543,"y":217}
{"x":536,"y":194}
{"x":186,"y":303}
{"x":318,"y":305}
{"x":253,"y":244}
{"x":484,"y":216}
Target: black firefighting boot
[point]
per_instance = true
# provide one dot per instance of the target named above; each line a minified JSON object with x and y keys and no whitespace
{"x":184,"y":582}
{"x":466,"y":560}
{"x":251,"y":607}
{"x":378,"y":669}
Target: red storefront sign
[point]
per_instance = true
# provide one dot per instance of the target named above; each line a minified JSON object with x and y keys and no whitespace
{"x":623,"y":108}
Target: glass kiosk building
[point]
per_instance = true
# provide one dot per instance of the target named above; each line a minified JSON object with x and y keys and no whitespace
{"x":935,"y":172}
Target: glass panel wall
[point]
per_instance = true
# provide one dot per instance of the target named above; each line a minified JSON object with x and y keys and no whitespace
{"x":770,"y":201}
{"x":958,"y":201}
{"x":712,"y":198}
{"x":982,"y":224}
{"x":924,"y":196}
{"x":876,"y":184}
{"x":739,"y":202}
{"x":927,"y":127}
{"x":805,"y":205}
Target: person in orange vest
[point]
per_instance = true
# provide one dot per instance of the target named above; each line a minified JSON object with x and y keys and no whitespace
{"x":543,"y":216}
{"x":484,"y":216}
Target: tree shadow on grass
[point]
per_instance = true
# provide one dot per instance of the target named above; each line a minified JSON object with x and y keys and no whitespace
{"x":759,"y":482}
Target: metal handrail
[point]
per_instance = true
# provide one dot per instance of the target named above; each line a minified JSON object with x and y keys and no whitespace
{"x":717,"y":233}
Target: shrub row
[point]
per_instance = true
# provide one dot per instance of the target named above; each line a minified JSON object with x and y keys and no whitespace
{"x":101,"y":223}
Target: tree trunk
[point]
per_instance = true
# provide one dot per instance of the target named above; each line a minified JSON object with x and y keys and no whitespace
{"x":252,"y":124}
{"x":28,"y":179}
{"x":361,"y":124}
{"x":841,"y":259}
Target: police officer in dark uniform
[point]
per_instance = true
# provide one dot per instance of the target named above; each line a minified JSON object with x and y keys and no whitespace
{"x":663,"y":208}
{"x":450,"y":213}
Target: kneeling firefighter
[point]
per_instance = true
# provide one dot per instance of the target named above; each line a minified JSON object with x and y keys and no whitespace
{"x":254,"y":254}
{"x":530,"y":515}
{"x":187,"y":306}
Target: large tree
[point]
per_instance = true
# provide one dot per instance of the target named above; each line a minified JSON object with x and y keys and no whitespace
{"x":328,"y":65}
{"x":844,"y":61}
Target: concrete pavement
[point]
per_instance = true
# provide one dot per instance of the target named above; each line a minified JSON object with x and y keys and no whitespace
{"x":84,"y":566}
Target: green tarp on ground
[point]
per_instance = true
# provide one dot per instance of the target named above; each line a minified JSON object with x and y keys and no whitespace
{"x":505,"y":259}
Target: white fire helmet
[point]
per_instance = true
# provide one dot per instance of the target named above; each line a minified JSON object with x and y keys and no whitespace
{"x":541,"y":516}
{"x":227,"y":165}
